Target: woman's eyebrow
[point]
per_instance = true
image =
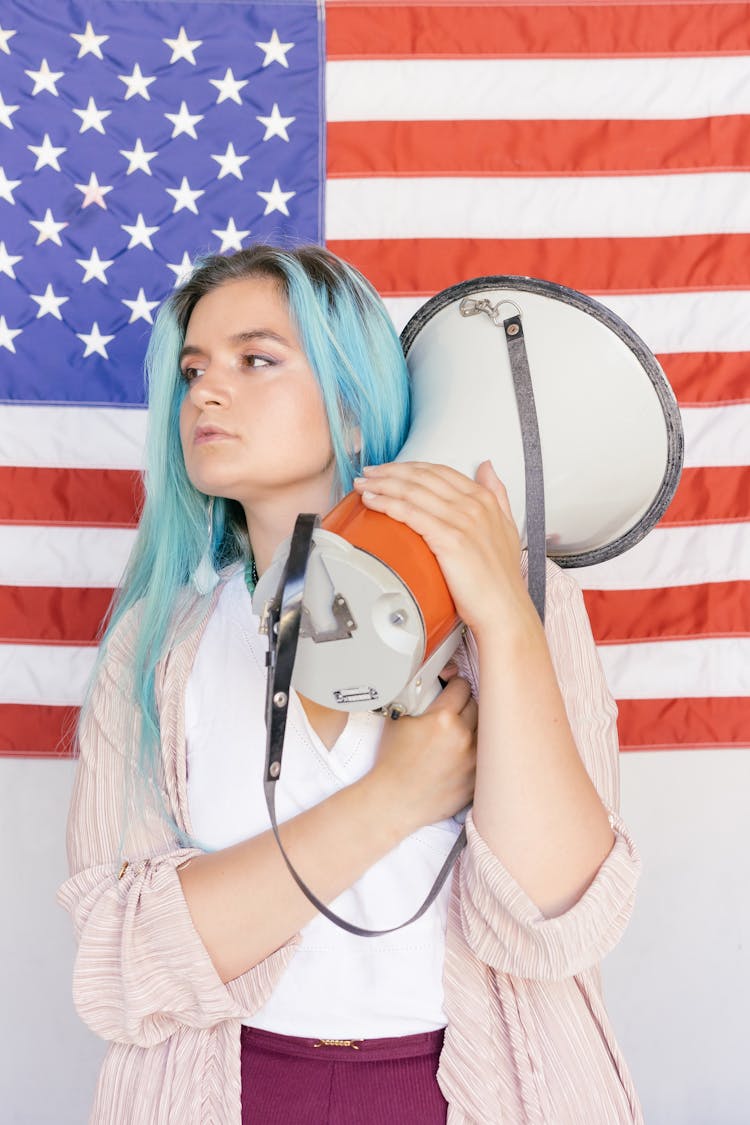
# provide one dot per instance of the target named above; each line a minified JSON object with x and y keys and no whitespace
{"x":240,"y":338}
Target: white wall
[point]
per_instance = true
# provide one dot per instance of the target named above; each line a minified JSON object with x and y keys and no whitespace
{"x":678,"y":985}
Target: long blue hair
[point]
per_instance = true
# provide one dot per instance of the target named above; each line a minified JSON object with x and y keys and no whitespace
{"x":354,"y":351}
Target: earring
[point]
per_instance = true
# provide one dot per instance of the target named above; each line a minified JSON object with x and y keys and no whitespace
{"x":205,"y":576}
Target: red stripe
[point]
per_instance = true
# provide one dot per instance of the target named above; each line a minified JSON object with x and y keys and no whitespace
{"x":411,"y":266}
{"x":714,"y":609}
{"x":708,"y":378}
{"x":358,"y":31}
{"x":52,"y":614}
{"x":710,"y":495}
{"x":539,"y":148}
{"x":644,"y":724}
{"x":85,"y":497}
{"x":31,"y":731}
{"x":683,"y":724}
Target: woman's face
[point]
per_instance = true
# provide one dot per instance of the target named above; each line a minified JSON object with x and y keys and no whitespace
{"x":252,"y":424}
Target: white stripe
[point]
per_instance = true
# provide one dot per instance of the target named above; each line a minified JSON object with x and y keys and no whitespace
{"x":63,"y":556}
{"x":538,"y":207}
{"x":675,"y":556}
{"x":50,"y":674}
{"x":702,"y":321}
{"x":675,"y":669}
{"x":717,"y":435}
{"x":536,"y":89}
{"x":86,"y":437}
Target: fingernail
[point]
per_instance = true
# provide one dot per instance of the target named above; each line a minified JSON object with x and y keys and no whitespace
{"x":368,"y":496}
{"x":358,"y":480}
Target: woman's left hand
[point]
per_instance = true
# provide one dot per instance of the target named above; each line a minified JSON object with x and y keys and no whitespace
{"x":467,"y":525}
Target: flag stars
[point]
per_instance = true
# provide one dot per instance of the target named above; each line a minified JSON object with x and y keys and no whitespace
{"x":137,"y":84}
{"x":7,"y":261}
{"x":184,"y":197}
{"x":5,"y":35}
{"x":140,"y":234}
{"x":275,"y":199}
{"x":44,"y":79}
{"x":89,"y":43}
{"x":7,"y":187}
{"x":140,"y":308}
{"x":274,"y":50}
{"x":229,"y":88}
{"x":138,"y":159}
{"x":94,"y":267}
{"x":6,"y":112}
{"x":182,"y":270}
{"x":184,"y":121}
{"x":93,"y":192}
{"x":46,"y":154}
{"x":8,"y":335}
{"x":95,"y":342}
{"x":49,"y":230}
{"x":230,"y":163}
{"x":230,"y":237}
{"x":275,"y":125}
{"x":49,"y":303}
{"x":91,"y":117}
{"x":183,"y":48}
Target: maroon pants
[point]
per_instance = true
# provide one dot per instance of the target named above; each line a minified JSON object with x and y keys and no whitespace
{"x":291,"y":1081}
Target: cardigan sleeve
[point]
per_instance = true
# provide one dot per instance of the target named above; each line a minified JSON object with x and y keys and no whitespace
{"x":502,"y":925}
{"x":141,"y":969}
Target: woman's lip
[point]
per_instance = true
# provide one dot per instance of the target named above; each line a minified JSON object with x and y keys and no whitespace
{"x":207,"y":434}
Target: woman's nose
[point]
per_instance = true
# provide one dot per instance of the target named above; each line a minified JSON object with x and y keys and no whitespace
{"x":211,"y":386}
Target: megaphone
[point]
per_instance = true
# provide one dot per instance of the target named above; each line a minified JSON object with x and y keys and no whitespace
{"x":580,"y":424}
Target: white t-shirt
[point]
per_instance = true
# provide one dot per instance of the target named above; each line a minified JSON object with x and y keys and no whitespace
{"x":337,"y":986}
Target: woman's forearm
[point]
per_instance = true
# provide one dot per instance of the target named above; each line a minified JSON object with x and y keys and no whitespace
{"x":534,"y":803}
{"x":242,"y":899}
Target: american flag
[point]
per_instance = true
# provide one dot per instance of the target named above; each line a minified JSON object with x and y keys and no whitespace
{"x":603,"y":146}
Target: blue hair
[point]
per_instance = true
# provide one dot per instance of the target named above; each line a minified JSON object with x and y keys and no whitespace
{"x":354,"y":351}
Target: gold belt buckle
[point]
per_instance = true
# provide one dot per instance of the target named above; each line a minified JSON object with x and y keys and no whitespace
{"x":337,"y":1043}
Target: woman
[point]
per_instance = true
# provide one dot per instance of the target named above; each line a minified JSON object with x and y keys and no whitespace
{"x":276,"y":385}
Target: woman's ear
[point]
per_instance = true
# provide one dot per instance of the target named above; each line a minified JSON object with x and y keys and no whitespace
{"x":353,"y":441}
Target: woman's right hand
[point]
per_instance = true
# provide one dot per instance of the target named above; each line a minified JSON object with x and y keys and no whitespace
{"x":427,"y":763}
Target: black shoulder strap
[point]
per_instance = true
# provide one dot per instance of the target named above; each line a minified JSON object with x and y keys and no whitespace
{"x":283,"y":630}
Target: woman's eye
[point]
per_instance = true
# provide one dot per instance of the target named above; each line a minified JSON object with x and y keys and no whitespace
{"x":191,"y":373}
{"x":253,"y":360}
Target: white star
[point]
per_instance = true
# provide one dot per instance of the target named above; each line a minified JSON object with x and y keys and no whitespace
{"x":136,"y":83}
{"x":228,"y":87}
{"x":89,"y":43}
{"x":7,"y":335}
{"x":275,"y":51}
{"x":7,"y":187}
{"x":4,"y":37}
{"x":91,"y":117}
{"x":44,"y":79}
{"x":7,"y":261}
{"x":94,"y":341}
{"x":93,"y":192}
{"x":230,"y":162}
{"x":275,"y":124}
{"x":182,"y":270}
{"x":46,"y":154}
{"x":5,"y":112}
{"x":184,"y":197}
{"x":231,"y":238}
{"x":140,"y":234}
{"x":138,"y":158}
{"x":184,"y":121}
{"x":48,"y":229}
{"x":140,"y":308}
{"x":49,"y":303}
{"x":276,"y":199}
{"x":94,"y":267}
{"x":182,"y":47}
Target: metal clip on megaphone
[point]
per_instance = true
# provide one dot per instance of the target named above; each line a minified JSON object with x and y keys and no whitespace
{"x":357,"y":612}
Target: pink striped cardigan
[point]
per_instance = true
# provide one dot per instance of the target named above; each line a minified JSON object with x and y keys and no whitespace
{"x":528,"y":1039}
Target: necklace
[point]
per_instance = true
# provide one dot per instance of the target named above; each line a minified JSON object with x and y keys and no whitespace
{"x":251,"y":575}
